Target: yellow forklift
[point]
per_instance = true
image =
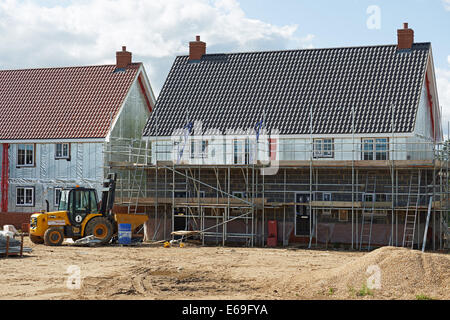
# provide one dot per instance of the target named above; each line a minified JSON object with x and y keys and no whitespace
{"x":80,"y":215}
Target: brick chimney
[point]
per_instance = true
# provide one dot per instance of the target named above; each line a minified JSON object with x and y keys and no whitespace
{"x":405,"y":37}
{"x":123,"y":58}
{"x":197,"y":48}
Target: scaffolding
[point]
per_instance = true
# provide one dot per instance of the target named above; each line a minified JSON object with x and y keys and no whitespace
{"x":202,"y":196}
{"x":230,"y":197}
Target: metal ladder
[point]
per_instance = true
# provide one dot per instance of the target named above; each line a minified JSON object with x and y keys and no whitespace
{"x":136,"y":182}
{"x":411,"y":217}
{"x":446,"y":229}
{"x":367,"y":216}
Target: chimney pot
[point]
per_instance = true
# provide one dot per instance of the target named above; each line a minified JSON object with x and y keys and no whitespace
{"x":405,"y":37}
{"x":123,"y":58}
{"x":196,"y":49}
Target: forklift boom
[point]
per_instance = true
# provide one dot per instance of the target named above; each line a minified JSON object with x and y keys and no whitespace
{"x":108,"y":195}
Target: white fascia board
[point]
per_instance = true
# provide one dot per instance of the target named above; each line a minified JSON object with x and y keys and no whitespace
{"x":424,"y":83}
{"x":148,"y":86}
{"x":43,"y":141}
{"x":429,"y":69}
{"x":437,"y":108}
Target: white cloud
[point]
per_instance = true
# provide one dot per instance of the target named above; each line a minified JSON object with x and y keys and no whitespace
{"x":446,"y":4}
{"x":89,"y":32}
{"x":443,"y":86}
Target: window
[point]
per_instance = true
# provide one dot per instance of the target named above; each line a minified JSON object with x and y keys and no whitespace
{"x":381,"y":148}
{"x":82,"y":202}
{"x":241,"y":152}
{"x":343,"y":215}
{"x":323,"y":148}
{"x":25,"y":155}
{"x":62,"y":151}
{"x":239,"y":194}
{"x":64,"y":200}
{"x":199,"y":149}
{"x":57,"y":194}
{"x":25,"y":196}
{"x":327,"y":197}
{"x":196,"y":194}
{"x":369,"y":197}
{"x":375,"y":149}
{"x":93,"y":200}
{"x":180,"y":194}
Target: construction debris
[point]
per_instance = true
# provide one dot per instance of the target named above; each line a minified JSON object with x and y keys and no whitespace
{"x":87,"y":241}
{"x":184,"y":233}
{"x":10,"y":246}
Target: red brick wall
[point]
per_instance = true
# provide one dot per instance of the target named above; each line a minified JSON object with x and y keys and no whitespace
{"x":14,"y":218}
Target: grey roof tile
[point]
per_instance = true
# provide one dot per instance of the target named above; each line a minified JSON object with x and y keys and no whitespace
{"x":233,"y":91}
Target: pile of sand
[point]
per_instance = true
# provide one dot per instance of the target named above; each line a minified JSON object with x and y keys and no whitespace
{"x":401,"y":274}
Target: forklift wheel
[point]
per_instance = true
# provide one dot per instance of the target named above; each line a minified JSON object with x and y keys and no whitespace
{"x":53,"y":237}
{"x":36,"y":239}
{"x":100,"y":228}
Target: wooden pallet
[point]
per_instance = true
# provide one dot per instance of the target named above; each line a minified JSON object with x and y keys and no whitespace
{"x":8,"y":251}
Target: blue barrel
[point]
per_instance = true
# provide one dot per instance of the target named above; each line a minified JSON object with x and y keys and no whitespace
{"x":124,"y":233}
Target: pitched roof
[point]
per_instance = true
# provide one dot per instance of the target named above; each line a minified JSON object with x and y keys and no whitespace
{"x":62,"y":103}
{"x":235,"y":91}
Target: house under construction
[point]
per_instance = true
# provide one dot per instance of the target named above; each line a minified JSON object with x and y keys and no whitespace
{"x":316,"y":146}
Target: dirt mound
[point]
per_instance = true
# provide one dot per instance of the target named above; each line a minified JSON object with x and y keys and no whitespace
{"x":393,"y":273}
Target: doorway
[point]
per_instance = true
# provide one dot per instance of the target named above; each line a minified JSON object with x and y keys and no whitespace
{"x":302,"y":214}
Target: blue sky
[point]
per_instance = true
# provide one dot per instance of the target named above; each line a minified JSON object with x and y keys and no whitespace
{"x":343,"y":23}
{"x":48,"y":33}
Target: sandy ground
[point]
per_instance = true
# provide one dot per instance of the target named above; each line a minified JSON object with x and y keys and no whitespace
{"x":194,"y":272}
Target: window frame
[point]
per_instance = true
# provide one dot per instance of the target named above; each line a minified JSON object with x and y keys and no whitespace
{"x":244,"y":155}
{"x":343,"y":215}
{"x":194,"y":194}
{"x":62,"y":157}
{"x":25,"y":196}
{"x":373,"y":153}
{"x":372,"y":194}
{"x":239,"y":194}
{"x":199,"y":149}
{"x":327,"y":211}
{"x":327,"y":193}
{"x":55,"y":199}
{"x":33,"y":155}
{"x":322,"y":153}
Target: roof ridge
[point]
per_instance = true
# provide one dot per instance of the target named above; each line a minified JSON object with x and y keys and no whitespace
{"x":66,"y":67}
{"x":308,"y":49}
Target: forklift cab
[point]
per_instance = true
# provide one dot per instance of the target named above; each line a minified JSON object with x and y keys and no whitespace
{"x":78,"y":202}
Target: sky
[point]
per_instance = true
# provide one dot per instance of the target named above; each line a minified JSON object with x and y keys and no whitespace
{"x":49,"y":33}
